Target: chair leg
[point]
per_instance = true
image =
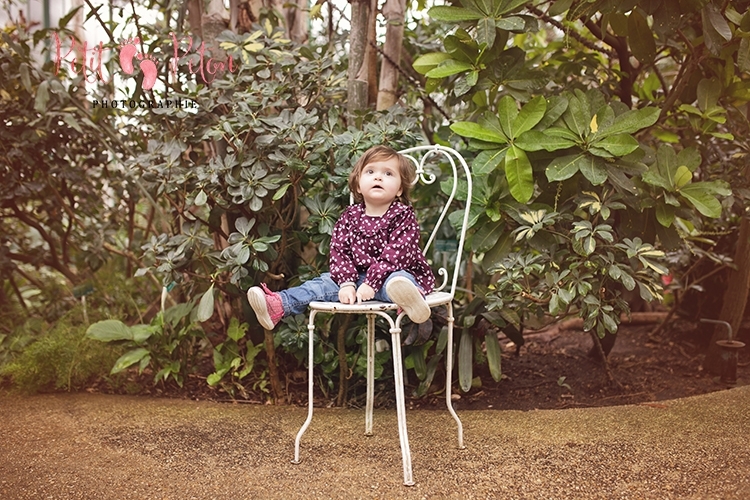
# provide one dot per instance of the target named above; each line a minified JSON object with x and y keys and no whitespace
{"x":310,"y":385}
{"x":449,"y":378}
{"x":398,"y":373}
{"x":370,"y":373}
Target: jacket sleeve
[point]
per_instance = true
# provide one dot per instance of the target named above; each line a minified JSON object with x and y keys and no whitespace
{"x":340,"y":261}
{"x":400,"y":253}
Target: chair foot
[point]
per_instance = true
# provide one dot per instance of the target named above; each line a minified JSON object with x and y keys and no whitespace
{"x":408,"y":483}
{"x":296,"y":462}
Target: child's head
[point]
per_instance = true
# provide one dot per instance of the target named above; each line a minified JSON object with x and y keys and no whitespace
{"x":406,"y":170}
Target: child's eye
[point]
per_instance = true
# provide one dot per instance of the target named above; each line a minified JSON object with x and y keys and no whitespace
{"x":368,"y":171}
{"x":389,"y":173}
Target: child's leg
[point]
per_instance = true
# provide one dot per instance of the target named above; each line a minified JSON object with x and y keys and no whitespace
{"x":296,"y":299}
{"x":401,"y":287}
{"x":382,"y":294}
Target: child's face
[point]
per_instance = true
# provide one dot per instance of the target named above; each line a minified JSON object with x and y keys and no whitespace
{"x":380,"y":182}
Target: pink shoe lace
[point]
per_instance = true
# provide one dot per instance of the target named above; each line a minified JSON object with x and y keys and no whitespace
{"x":273,"y":303}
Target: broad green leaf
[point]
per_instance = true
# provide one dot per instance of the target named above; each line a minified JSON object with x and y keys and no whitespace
{"x":556,"y":106}
{"x":562,"y":133}
{"x":577,"y":117}
{"x":507,"y":112}
{"x":201,"y":198}
{"x":593,"y":169}
{"x":709,"y":91}
{"x":743,"y":55}
{"x":42,"y":97}
{"x":460,"y":49}
{"x":215,"y":378}
{"x":618,"y":144}
{"x":512,"y":23}
{"x":420,"y":364}
{"x":665,"y":214}
{"x":631,"y":122}
{"x":531,"y":113}
{"x":206,"y":305}
{"x":447,"y":68}
{"x":244,"y":226}
{"x":281,"y":192}
{"x":641,"y":38}
{"x":109,"y":330}
{"x":609,"y":323}
{"x":690,"y":157}
{"x":71,"y":121}
{"x":487,"y":236}
{"x":682,"y":176}
{"x":519,"y":174}
{"x":502,"y":248}
{"x":715,"y":188}
{"x":129,"y":359}
{"x":491,"y":122}
{"x":488,"y":161}
{"x":426,"y":62}
{"x":476,"y":131}
{"x":486,"y":31}
{"x":494,"y":355}
{"x":533,"y":140}
{"x":704,"y":202}
{"x":25,"y":77}
{"x":562,"y":168}
{"x":559,"y":7}
{"x":141,"y":333}
{"x":718,"y":22}
{"x":453,"y":14}
{"x":465,"y":361}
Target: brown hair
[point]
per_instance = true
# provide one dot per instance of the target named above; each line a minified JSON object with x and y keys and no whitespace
{"x":377,"y":153}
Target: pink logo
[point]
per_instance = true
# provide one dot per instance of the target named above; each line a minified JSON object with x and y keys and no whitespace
{"x":128,"y":51}
{"x":91,"y":68}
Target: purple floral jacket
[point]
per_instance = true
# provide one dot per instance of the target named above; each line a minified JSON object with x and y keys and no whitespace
{"x":378,"y":246}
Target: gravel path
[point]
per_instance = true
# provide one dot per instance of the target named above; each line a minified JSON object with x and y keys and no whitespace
{"x":113,"y":447}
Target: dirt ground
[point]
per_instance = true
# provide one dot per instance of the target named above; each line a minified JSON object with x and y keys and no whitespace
{"x":554,"y":370}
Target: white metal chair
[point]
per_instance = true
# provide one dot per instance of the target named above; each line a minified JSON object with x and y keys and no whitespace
{"x":441,"y":296}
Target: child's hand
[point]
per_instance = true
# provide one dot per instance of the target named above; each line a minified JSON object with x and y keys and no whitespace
{"x":365,"y":292}
{"x":348,"y":295}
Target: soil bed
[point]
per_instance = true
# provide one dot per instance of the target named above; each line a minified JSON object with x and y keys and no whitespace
{"x":553,"y":370}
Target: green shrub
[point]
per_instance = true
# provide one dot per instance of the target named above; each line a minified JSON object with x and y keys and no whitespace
{"x":59,"y":359}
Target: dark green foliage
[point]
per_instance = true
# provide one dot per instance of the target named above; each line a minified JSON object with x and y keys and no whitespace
{"x":59,"y":358}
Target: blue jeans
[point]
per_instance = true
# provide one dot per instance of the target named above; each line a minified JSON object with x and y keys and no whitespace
{"x":324,"y":289}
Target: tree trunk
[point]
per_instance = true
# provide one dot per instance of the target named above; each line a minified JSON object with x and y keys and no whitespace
{"x":393,"y":11}
{"x":735,"y":296}
{"x":357,"y":72}
{"x":371,"y":56}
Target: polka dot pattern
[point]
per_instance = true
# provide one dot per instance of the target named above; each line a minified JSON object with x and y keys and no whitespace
{"x":378,"y":246}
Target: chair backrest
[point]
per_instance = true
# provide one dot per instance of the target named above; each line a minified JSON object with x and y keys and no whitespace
{"x":422,"y":156}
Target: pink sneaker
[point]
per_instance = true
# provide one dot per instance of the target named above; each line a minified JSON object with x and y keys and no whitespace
{"x":267,"y":306}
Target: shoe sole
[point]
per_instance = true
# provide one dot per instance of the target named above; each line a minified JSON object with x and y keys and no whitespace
{"x":405,"y":293}
{"x":257,"y":300}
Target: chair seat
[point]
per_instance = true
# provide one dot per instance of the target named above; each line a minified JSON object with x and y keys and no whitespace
{"x":433,"y":299}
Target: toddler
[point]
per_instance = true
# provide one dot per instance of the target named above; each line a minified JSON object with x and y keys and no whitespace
{"x":374,"y":252}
